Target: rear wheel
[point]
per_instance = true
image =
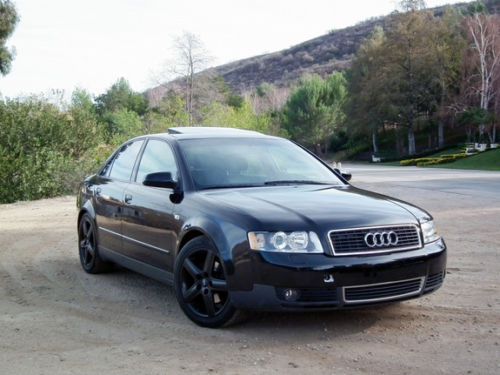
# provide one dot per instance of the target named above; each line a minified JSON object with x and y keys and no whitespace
{"x":87,"y":246}
{"x":201,"y":287}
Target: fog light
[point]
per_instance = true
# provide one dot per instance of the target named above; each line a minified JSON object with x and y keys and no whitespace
{"x":291,"y":294}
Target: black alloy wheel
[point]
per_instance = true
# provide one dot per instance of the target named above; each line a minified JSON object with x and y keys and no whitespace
{"x":87,"y":246}
{"x":200,"y":285}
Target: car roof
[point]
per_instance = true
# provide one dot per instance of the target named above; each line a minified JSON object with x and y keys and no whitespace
{"x":196,"y":132}
{"x":201,"y":132}
{"x":209,"y":130}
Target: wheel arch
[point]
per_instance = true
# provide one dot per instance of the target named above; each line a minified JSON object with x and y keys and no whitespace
{"x":86,"y":209}
{"x":208,"y":228}
{"x":189,"y":235}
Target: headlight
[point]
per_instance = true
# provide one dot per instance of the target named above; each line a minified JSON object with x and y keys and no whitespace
{"x":429,"y":231}
{"x":286,"y":242}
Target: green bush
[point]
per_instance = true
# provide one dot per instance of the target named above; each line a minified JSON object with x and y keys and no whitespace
{"x":420,"y":162}
{"x":443,"y":159}
{"x":414,"y":162}
{"x":42,"y":148}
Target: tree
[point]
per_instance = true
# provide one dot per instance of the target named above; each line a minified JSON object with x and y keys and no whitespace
{"x":84,"y":124}
{"x":449,"y":45}
{"x":242,"y":117}
{"x":8,"y":21}
{"x":413,"y":77}
{"x":369,"y":103}
{"x":120,"y":96}
{"x":121,"y":109}
{"x":170,"y":112}
{"x":484,"y":33}
{"x":192,"y":57}
{"x":123,"y":124}
{"x":315,"y":109}
{"x":412,"y":5}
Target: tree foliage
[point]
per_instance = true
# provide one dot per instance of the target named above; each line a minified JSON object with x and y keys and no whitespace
{"x":8,"y":21}
{"x":242,"y":117}
{"x":120,"y":96}
{"x":404,"y":76}
{"x":315,"y":109}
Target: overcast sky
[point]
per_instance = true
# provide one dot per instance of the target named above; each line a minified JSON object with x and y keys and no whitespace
{"x":62,"y":44}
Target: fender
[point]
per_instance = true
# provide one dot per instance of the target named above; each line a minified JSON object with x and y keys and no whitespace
{"x":88,"y":208}
{"x":224,"y":236}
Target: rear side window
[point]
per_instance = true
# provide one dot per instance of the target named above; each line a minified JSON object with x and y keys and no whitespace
{"x":157,"y":157}
{"x":124,"y":161}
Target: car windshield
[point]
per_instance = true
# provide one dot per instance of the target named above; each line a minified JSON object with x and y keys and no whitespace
{"x":247,"y":162}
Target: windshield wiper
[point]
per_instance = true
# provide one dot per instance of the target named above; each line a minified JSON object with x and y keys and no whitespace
{"x":298,"y":182}
{"x":230,"y":186}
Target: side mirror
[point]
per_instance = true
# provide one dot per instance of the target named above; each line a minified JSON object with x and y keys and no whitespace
{"x":346,"y":175}
{"x":160,"y":179}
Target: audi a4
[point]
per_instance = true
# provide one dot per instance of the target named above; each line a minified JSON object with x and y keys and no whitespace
{"x":238,"y":221}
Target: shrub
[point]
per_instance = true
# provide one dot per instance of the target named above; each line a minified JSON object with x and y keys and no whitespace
{"x":420,"y":162}
{"x":42,"y":148}
{"x":414,"y":162}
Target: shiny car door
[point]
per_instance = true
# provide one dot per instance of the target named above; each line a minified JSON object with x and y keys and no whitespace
{"x":108,"y":195}
{"x":149,"y":226}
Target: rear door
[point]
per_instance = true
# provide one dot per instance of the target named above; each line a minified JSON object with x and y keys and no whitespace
{"x":109,"y":195}
{"x":149,"y":225}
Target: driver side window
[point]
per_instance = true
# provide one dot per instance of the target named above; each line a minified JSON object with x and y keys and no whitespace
{"x":157,"y":157}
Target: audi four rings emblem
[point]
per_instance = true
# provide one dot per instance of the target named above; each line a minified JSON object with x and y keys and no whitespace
{"x":381,"y":239}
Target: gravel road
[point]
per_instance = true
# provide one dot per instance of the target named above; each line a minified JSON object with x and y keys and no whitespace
{"x":55,"y":319}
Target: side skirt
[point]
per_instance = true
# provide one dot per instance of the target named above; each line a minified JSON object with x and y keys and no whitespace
{"x":137,"y":266}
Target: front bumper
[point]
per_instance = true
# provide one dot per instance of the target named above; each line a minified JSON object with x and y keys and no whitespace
{"x":322,"y":282}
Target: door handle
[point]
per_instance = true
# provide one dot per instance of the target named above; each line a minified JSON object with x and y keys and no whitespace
{"x":128,"y":198}
{"x":97,"y":192}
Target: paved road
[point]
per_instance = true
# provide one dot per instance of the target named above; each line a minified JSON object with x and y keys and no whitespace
{"x":421,"y":180}
{"x":55,"y":319}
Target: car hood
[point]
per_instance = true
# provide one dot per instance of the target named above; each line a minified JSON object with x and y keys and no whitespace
{"x":292,"y":207}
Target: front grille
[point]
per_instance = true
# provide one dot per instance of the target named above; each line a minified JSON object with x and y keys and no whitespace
{"x":352,"y":241}
{"x":383,"y":291}
{"x":434,"y":281}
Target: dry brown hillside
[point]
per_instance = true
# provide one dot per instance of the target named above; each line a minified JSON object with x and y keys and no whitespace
{"x":322,"y":55}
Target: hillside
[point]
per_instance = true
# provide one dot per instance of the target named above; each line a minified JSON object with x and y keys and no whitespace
{"x":322,"y":55}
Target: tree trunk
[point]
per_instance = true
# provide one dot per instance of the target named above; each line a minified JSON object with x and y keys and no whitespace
{"x":374,"y":141}
{"x":411,"y":141}
{"x":440,"y":135}
{"x":317,"y":150}
{"x":399,"y":145}
{"x":468,"y":130}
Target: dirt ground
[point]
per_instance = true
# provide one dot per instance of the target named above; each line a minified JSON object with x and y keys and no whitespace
{"x":55,"y":319}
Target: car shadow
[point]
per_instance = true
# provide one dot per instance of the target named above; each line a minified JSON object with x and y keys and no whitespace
{"x":156,"y":302}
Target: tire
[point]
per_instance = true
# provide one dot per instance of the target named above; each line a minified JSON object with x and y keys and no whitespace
{"x":88,"y":248}
{"x":200,"y":285}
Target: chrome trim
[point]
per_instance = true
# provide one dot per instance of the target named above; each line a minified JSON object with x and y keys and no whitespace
{"x":391,"y":250}
{"x":134,"y":240}
{"x":422,"y":282}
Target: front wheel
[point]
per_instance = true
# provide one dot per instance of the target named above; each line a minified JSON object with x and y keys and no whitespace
{"x":87,"y":247}
{"x":201,"y":287}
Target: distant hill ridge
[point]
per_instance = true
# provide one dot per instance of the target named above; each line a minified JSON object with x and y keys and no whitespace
{"x":322,"y":55}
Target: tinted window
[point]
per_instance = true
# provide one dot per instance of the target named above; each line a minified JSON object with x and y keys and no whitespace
{"x":157,"y":157}
{"x":251,"y":162}
{"x":124,"y":161}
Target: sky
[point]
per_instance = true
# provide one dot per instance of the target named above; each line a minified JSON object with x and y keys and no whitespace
{"x":63,"y":44}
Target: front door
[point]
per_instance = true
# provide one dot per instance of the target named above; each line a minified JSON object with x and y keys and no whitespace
{"x":149,"y":226}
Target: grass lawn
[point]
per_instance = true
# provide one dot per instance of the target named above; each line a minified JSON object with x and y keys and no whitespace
{"x":449,"y":151}
{"x":486,"y":161}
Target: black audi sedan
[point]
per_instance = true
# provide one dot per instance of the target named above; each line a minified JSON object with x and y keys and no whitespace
{"x":238,"y":221}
